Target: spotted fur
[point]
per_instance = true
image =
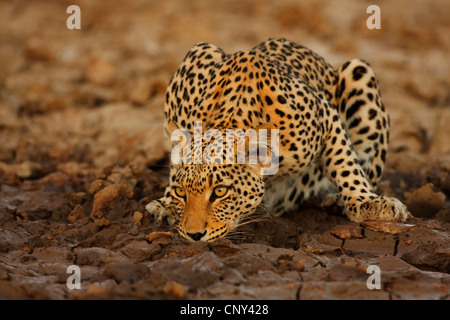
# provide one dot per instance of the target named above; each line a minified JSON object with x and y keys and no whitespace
{"x":333,"y":127}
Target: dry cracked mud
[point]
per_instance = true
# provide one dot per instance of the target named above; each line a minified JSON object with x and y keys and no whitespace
{"x":82,"y":152}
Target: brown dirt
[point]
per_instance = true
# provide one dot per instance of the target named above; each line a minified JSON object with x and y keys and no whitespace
{"x":82,"y":153}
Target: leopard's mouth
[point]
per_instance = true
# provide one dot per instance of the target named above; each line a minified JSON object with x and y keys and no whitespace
{"x":206,"y":235}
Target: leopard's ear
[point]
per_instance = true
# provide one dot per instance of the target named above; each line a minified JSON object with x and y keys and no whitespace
{"x":178,"y":135}
{"x":171,"y":127}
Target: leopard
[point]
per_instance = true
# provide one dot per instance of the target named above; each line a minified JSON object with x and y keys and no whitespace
{"x":332,"y":129}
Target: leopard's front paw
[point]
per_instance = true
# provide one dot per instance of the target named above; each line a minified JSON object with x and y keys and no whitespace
{"x":381,"y":208}
{"x":161,"y":212}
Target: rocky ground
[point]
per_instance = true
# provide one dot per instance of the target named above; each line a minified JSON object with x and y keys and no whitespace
{"x":82,"y":152}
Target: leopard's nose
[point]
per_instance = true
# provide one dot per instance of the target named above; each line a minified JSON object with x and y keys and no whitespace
{"x":196,"y":236}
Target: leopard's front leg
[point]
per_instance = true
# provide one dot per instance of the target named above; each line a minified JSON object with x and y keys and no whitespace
{"x":341,"y":165}
{"x":377,"y":208}
{"x":164,"y":209}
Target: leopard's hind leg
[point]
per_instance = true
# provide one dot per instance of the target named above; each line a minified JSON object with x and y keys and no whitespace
{"x":366,"y":121}
{"x":355,"y":151}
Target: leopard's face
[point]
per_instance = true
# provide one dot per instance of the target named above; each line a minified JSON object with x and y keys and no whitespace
{"x":211,"y":199}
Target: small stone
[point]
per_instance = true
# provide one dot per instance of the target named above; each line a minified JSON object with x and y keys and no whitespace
{"x":96,"y":186}
{"x":175,"y":290}
{"x":137,"y":218}
{"x":140,"y":250}
{"x":347,"y":231}
{"x":76,"y":214}
{"x":110,"y":201}
{"x":161,"y":238}
{"x":76,"y":198}
{"x":103,"y":222}
{"x":424,"y":202}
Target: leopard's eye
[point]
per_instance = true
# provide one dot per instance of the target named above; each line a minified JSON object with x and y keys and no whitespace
{"x":221,"y":191}
{"x":180,"y":192}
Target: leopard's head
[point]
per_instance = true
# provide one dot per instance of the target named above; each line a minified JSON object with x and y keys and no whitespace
{"x":214,"y":186}
{"x":211,"y":200}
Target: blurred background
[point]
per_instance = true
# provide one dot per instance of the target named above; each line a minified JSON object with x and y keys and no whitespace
{"x":82,"y":150}
{"x":94,"y":96}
